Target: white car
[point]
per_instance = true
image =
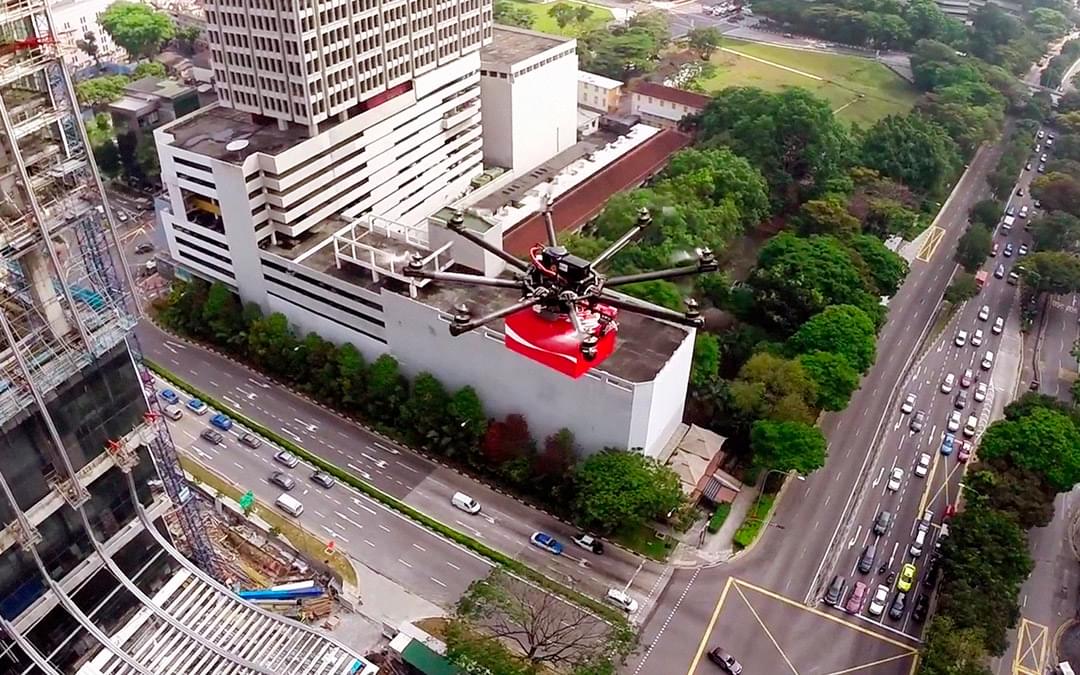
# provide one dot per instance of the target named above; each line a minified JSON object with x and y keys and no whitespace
{"x":621,"y":600}
{"x":947,"y":383}
{"x":1023,"y":250}
{"x":954,"y":420}
{"x":999,"y":325}
{"x":987,"y":361}
{"x":923,"y":467}
{"x":980,"y":392}
{"x":878,"y":602}
{"x":977,"y":337}
{"x":908,"y":405}
{"x":984,"y":313}
{"x":961,"y":338}
{"x":896,"y":479}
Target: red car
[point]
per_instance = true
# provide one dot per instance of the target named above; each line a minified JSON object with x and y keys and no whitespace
{"x":857,"y":598}
{"x":965,"y":451}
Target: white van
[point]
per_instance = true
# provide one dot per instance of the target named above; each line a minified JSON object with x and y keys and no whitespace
{"x":971,"y":425}
{"x":173,"y":412}
{"x":465,"y":503}
{"x":289,"y":505}
{"x":988,"y":360}
{"x":917,"y":545}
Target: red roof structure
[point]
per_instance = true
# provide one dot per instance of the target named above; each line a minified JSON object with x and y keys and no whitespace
{"x":578,"y":205}
{"x":687,"y":98}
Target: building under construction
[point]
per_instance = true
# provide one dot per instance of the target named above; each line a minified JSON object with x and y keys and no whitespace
{"x":91,"y":581}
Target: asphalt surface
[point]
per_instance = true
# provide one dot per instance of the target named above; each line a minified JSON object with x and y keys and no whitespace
{"x":504,"y":523}
{"x":800,"y":546}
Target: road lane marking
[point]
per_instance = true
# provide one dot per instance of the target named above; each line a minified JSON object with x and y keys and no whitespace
{"x":405,"y":466}
{"x":418,"y":547}
{"x":238,"y":465}
{"x":872,"y":664}
{"x":357,"y":502}
{"x":708,"y":628}
{"x":768,"y":633}
{"x":930,"y":244}
{"x":288,"y":431}
{"x":437,"y":581}
{"x":1031,"y":648}
{"x":348,"y":520}
{"x":453,"y":565}
{"x":404,"y":563}
{"x":384,"y":528}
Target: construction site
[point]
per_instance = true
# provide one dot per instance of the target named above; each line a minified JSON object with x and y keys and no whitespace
{"x":109,"y":561}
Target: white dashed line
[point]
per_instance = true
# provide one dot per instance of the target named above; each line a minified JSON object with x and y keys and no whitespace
{"x":437,"y":581}
{"x":404,"y":563}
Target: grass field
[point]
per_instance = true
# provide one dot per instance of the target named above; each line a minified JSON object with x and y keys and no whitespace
{"x":545,"y":24}
{"x":859,"y":90}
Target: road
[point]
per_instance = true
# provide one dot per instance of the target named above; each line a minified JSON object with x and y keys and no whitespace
{"x":695,"y":613}
{"x":1059,"y":328}
{"x":505,"y":523}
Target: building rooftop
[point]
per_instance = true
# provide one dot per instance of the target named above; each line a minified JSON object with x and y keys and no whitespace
{"x":208,"y":130}
{"x":512,"y":45}
{"x":163,"y":87}
{"x":687,"y":98}
{"x":133,"y":104}
{"x":597,"y":80}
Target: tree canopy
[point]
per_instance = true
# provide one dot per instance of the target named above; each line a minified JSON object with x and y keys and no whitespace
{"x":136,"y":27}
{"x":788,"y":446}
{"x":620,"y":489}
{"x":911,"y":150}
{"x":842,"y":329}
{"x":1045,"y":441}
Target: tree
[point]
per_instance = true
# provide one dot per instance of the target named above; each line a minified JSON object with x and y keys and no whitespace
{"x":1022,"y":493}
{"x":885,"y":270}
{"x":271,"y":343}
{"x":480,"y":655}
{"x":221,"y":315}
{"x":787,"y":446}
{"x":148,"y":69}
{"x":1056,"y":231}
{"x":718,"y":175}
{"x":986,"y":212}
{"x":1057,"y":192}
{"x":101,"y":91}
{"x":88,"y":45}
{"x":563,"y":14}
{"x":351,"y":387}
{"x":706,"y":366}
{"x":1045,"y":441}
{"x":953,"y":651}
{"x":658,"y":292}
{"x":386,"y":390}
{"x":541,"y":627}
{"x":833,"y":376}
{"x":826,"y":216}
{"x":314,"y":367}
{"x":467,"y":422}
{"x":973,"y":248}
{"x":510,"y":14}
{"x":772,"y":386}
{"x":1052,"y":272}
{"x":139,"y":29}
{"x":964,"y":287}
{"x":146,"y":157}
{"x":424,"y":413}
{"x":107,"y":158}
{"x":704,"y":41}
{"x":554,"y":465}
{"x":911,"y":150}
{"x":622,"y":490}
{"x":126,"y":146}
{"x":186,"y":37}
{"x":842,"y":329}
{"x":507,"y":442}
{"x":99,"y":130}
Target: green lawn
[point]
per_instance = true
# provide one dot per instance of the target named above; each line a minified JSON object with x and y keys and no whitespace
{"x":859,"y":90}
{"x":545,"y":24}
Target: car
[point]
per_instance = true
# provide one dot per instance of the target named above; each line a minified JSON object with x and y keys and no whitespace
{"x":964,"y":453}
{"x":878,"y":602}
{"x":1008,"y":251}
{"x":856,"y":599}
{"x":1010,"y":211}
{"x":212,"y":437}
{"x":1027,"y":167}
{"x":948,"y":442}
{"x":999,"y":325}
{"x":954,"y":421}
{"x":1043,"y":157}
{"x":961,"y":338}
{"x":324,"y":479}
{"x":967,"y":378}
{"x":881,"y":523}
{"x":987,"y":361}
{"x":287,"y":458}
{"x":835,"y":594}
{"x":1037,"y":204}
{"x":896,"y":610}
{"x":1023,"y":250}
{"x":1019,"y":192}
{"x":173,"y":412}
{"x":921,"y":607}
{"x":980,"y":392}
{"x":866,"y":560}
{"x":282,"y":480}
{"x":1041,"y":168}
{"x":169,"y":396}
{"x":908,"y":405}
{"x":906,"y":578}
{"x":1041,"y":134}
{"x":923,"y":467}
{"x":961,"y":400}
{"x":546,"y":542}
{"x":589,"y":543}
{"x":1023,"y":211}
{"x":984,"y":311}
{"x":896,"y":479}
{"x":621,"y":600}
{"x":994,"y":249}
{"x":999,"y":272}
{"x":1050,"y":136}
{"x":947,"y":383}
{"x":462,"y":501}
{"x":918,"y":421}
{"x":977,"y":337}
{"x":221,"y":422}
{"x":726,"y":661}
{"x":145,"y":247}
{"x":197,"y":406}
{"x":121,"y":216}
{"x":249,"y":439}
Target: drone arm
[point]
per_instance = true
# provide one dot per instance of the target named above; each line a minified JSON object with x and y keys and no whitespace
{"x":457,"y":226}
{"x":462,"y":324}
{"x":458,"y":278}
{"x":549,"y":223}
{"x":643,"y":221}
{"x":689,"y":318}
{"x":706,"y":264}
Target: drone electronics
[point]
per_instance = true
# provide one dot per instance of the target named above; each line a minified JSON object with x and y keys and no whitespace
{"x":566,"y":315}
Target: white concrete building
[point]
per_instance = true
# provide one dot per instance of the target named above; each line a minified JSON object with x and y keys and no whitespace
{"x":528,"y":96}
{"x":73,"y":19}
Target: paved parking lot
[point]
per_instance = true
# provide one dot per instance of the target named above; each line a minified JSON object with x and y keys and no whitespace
{"x":772,"y":634}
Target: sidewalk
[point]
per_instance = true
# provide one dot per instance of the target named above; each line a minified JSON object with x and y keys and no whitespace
{"x":716,"y":548}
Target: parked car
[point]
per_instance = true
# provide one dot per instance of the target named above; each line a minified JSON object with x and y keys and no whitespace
{"x":546,"y":542}
{"x":287,"y":458}
{"x":1008,"y":251}
{"x":282,"y":480}
{"x":856,"y":599}
{"x":221,"y":422}
{"x":589,"y":543}
{"x":896,"y":610}
{"x":726,"y":661}
{"x":169,"y":396}
{"x":197,"y":406}
{"x":923,"y":467}
{"x":878,"y":602}
{"x":621,"y":600}
{"x":324,"y":479}
{"x":999,"y":272}
{"x":908,"y":405}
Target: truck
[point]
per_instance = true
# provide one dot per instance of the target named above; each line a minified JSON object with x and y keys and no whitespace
{"x":1007,"y":223}
{"x":980,"y":278}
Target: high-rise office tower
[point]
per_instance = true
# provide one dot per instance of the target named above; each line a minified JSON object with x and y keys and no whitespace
{"x":90,"y":580}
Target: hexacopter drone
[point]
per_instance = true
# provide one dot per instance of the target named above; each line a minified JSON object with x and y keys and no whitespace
{"x":566,"y":317}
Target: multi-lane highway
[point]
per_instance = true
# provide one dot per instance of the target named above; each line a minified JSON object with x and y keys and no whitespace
{"x":504,"y":524}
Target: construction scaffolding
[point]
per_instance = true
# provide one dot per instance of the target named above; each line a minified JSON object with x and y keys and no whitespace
{"x":65,"y":293}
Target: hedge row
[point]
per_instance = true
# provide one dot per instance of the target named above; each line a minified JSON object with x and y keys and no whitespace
{"x":491,"y":554}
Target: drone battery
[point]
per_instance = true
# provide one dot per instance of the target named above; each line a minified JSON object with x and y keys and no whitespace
{"x":553,"y":342}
